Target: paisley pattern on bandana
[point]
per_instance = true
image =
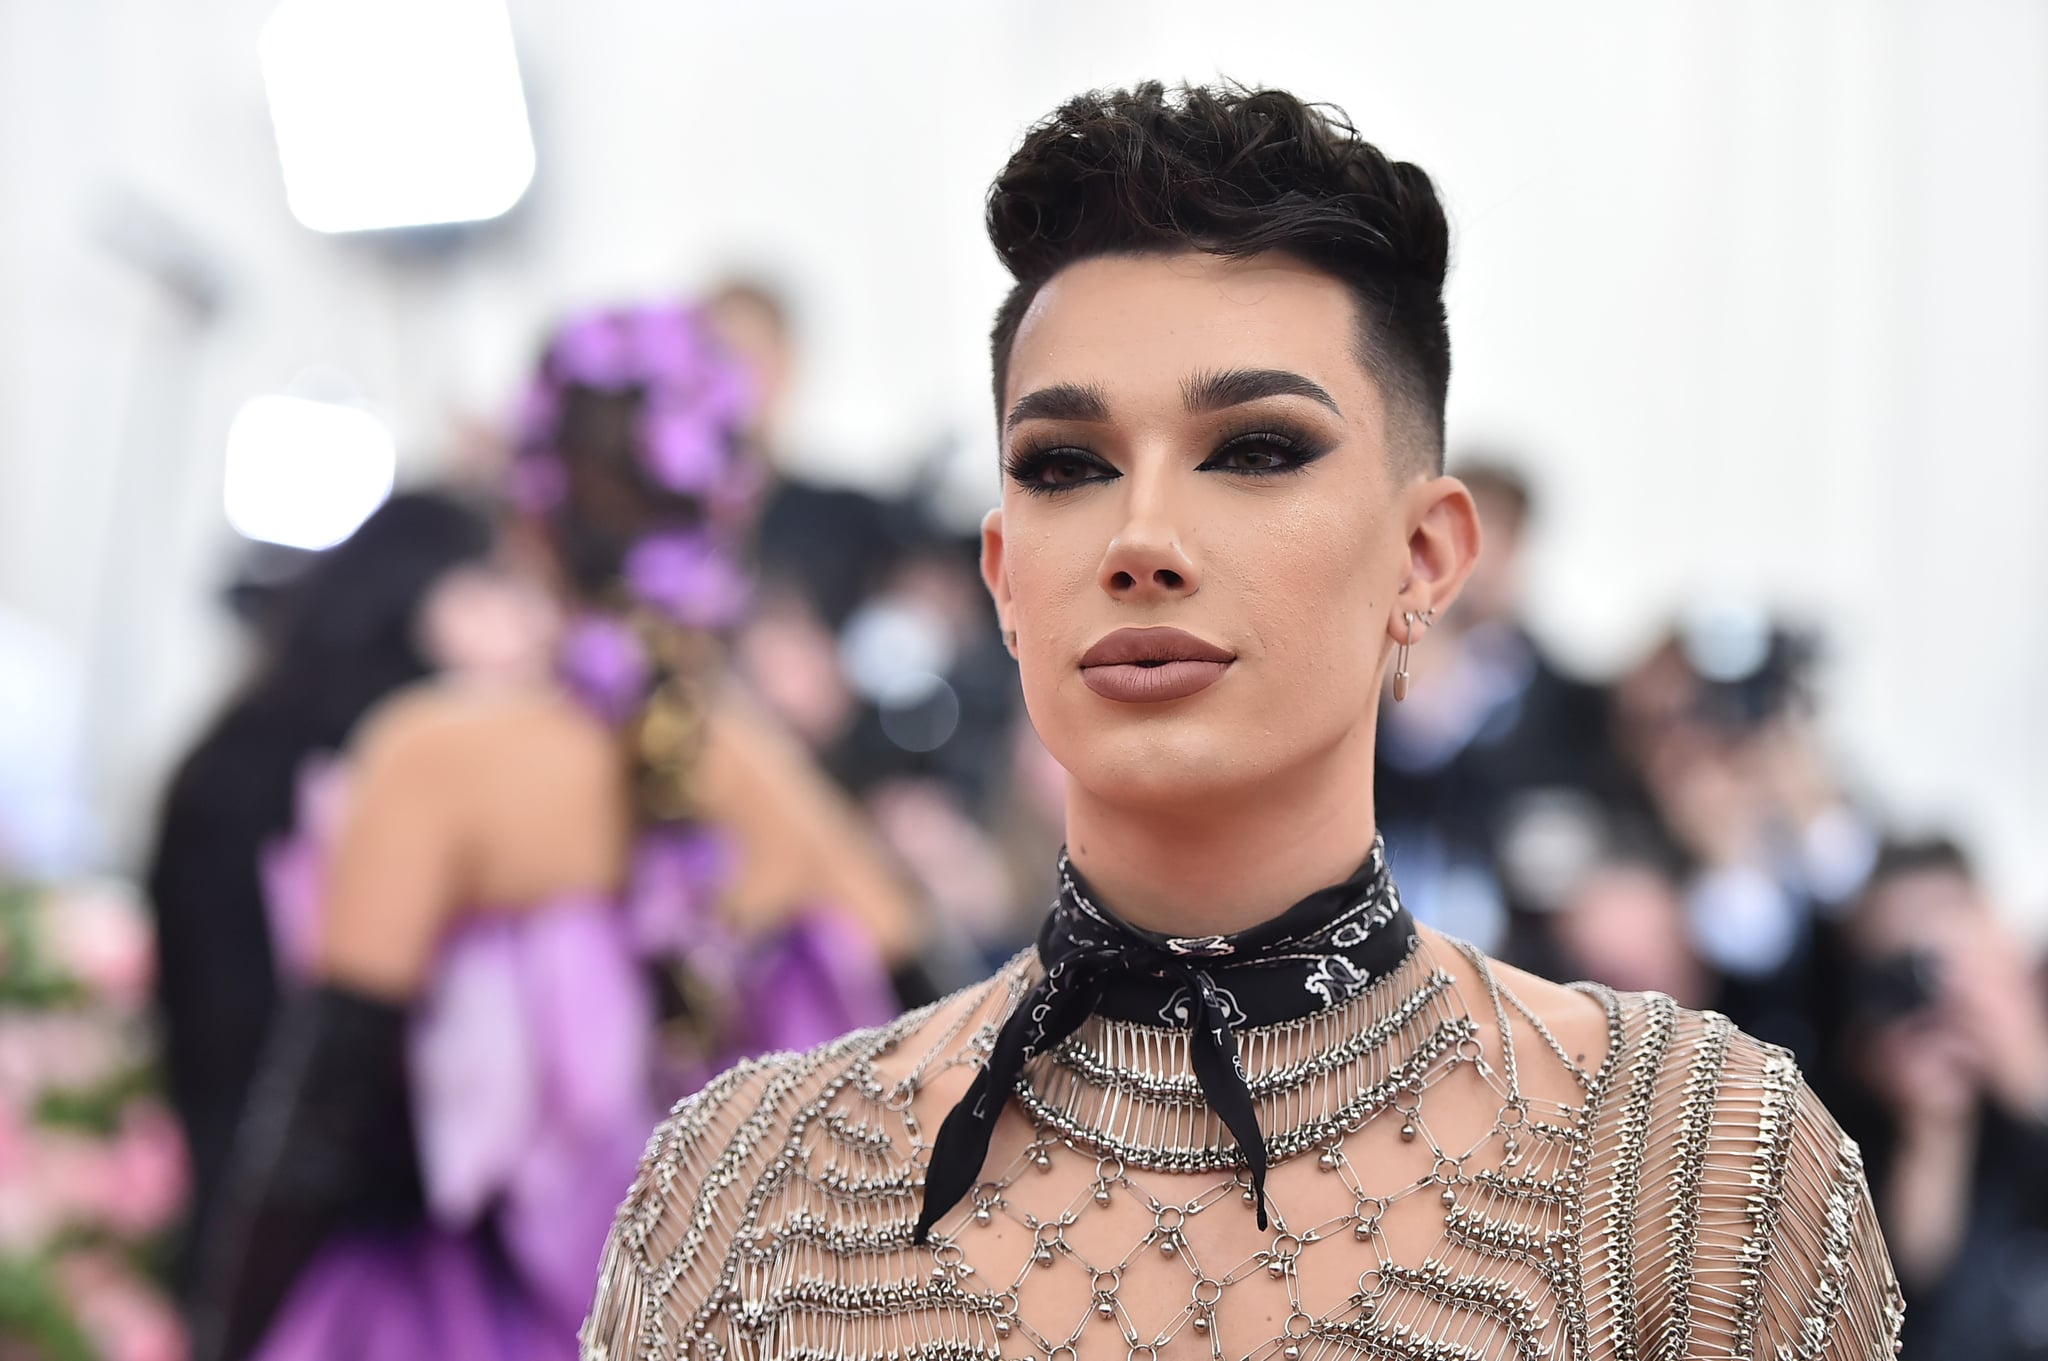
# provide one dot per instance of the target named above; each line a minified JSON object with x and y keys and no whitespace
{"x":1317,"y":954}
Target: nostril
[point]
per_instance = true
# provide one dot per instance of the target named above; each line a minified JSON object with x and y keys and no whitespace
{"x":1122,"y":581}
{"x":1169,"y":579}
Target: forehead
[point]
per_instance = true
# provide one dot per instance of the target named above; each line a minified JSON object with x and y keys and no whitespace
{"x":1138,"y":326}
{"x":1915,"y":906}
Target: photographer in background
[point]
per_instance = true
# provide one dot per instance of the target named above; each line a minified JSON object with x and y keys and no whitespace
{"x":1718,"y":727}
{"x":1948,"y":1040}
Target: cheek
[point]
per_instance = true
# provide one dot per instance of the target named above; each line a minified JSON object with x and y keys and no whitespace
{"x":1051,"y":567}
{"x":1313,"y":590}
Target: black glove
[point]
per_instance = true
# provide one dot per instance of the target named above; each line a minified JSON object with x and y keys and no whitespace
{"x":325,"y":1144}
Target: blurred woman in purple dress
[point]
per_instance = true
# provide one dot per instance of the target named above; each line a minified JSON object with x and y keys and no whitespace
{"x":525,"y":917}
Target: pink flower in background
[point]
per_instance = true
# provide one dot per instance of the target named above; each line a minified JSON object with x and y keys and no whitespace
{"x":61,"y":1051}
{"x":99,"y":935}
{"x":124,"y":1318}
{"x":66,"y":1074}
{"x":146,"y":1176}
{"x":29,"y":1214}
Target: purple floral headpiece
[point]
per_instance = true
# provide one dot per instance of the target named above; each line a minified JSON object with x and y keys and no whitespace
{"x":695,"y":402}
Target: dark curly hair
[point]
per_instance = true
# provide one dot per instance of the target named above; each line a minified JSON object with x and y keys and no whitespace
{"x":1235,"y":172}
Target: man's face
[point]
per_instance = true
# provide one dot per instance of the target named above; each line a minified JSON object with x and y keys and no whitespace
{"x":1191,"y":444}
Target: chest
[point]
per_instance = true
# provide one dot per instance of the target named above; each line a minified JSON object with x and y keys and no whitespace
{"x":1439,"y":1223}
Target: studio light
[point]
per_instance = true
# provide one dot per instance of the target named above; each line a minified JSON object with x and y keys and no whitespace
{"x":396,"y":113}
{"x":305,"y":473}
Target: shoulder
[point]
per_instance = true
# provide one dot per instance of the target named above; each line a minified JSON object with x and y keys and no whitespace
{"x":436,"y":736}
{"x":1728,"y":1197}
{"x":445,"y":715}
{"x":699,"y":1195}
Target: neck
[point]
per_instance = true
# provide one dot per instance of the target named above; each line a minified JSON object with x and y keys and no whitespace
{"x":1225,"y":861}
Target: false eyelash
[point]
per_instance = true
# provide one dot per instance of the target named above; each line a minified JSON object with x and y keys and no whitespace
{"x":1299,"y":449}
{"x":1024,"y":465}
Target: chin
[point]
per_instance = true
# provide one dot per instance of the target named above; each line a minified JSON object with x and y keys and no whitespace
{"x":1160,"y":763}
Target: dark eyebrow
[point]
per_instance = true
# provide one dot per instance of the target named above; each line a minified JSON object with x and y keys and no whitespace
{"x":1060,"y":402}
{"x":1235,"y":387}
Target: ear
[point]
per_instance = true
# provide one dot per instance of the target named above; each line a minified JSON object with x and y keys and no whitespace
{"x":1443,"y":544}
{"x":995,"y":577}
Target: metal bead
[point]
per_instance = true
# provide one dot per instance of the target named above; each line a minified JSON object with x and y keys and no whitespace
{"x":1102,"y":1195}
{"x":1408,"y":1134}
{"x":1003,"y":1327}
{"x":1291,"y":1352}
{"x":1276,"y":1269}
{"x":1106,"y":1308}
{"x":1166,"y":1245}
{"x":982,"y":1216}
{"x":1201,"y":1323}
{"x":1449,"y":1197}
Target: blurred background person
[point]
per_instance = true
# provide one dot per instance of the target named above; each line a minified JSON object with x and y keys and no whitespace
{"x":1493,"y":773}
{"x":546,"y":910}
{"x":1948,"y":1047}
{"x":419,"y":589}
{"x":1623,"y":923}
{"x":180,"y":258}
{"x":821,"y":545}
{"x":1719,"y":729}
{"x":872,"y":638}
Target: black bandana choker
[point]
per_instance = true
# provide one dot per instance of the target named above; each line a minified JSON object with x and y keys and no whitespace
{"x":1323,"y":951}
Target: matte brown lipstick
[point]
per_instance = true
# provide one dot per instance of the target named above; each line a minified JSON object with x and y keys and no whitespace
{"x":1149,"y":666}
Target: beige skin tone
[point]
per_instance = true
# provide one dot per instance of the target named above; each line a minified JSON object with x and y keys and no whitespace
{"x":1211,"y":813}
{"x":505,"y":799}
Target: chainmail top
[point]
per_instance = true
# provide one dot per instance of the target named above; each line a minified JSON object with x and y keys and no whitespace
{"x":1449,"y":1183}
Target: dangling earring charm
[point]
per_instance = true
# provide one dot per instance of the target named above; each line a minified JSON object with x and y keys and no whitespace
{"x":1408,"y":617}
{"x":1401,"y":658}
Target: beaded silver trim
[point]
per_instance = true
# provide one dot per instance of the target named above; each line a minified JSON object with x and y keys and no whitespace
{"x":772,"y":1216}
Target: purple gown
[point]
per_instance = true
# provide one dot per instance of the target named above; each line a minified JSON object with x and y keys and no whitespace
{"x":537,"y":1074}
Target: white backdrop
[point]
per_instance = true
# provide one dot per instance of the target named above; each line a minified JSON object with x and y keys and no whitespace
{"x":1760,"y":288}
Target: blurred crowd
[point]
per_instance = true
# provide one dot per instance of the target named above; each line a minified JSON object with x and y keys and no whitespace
{"x":1682,"y":827}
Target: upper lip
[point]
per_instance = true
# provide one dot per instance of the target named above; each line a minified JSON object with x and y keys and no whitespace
{"x":1138,"y":646}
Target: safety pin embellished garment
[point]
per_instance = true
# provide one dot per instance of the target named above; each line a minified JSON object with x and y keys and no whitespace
{"x":1444,"y":1179}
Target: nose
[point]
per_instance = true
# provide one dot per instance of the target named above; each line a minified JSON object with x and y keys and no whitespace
{"x":1147,"y":560}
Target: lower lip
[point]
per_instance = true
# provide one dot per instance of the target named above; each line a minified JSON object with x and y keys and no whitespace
{"x":1133,"y":684}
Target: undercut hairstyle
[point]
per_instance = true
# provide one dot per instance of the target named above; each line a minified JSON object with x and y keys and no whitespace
{"x":1238,"y":172}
